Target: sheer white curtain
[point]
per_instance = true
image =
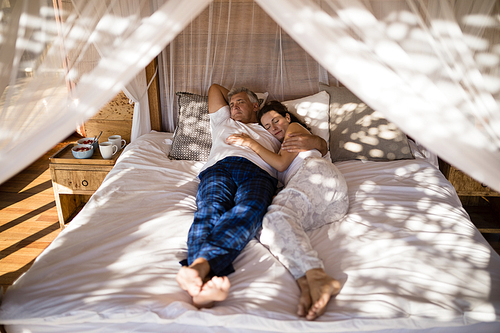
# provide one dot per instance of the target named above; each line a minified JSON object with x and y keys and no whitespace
{"x":430,"y":66}
{"x":412,"y":61}
{"x":136,"y":91}
{"x":235,"y":44}
{"x":59,"y":67}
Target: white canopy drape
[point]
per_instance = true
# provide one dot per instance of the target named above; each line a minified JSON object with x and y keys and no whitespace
{"x":65,"y":89}
{"x":416,"y":65}
{"x":431,"y":67}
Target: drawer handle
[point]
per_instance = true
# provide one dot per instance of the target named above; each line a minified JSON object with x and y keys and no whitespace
{"x":85,"y":183}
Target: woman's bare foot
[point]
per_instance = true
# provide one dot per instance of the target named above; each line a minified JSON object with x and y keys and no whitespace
{"x":322,"y":287}
{"x":190,"y":278}
{"x":305,"y":297}
{"x":215,"y":289}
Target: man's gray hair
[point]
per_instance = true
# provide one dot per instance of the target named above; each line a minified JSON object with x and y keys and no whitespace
{"x":251,"y":95}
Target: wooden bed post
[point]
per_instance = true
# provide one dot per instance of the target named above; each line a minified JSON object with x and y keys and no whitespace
{"x":154,"y":95}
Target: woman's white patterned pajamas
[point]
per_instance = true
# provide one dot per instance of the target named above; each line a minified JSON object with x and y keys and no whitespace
{"x":316,"y":195}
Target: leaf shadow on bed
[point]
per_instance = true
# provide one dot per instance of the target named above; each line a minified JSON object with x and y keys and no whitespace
{"x":406,"y":251}
{"x":121,"y":250}
{"x":408,"y":237}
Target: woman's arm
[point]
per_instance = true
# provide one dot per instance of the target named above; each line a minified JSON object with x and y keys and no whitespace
{"x":279,"y":161}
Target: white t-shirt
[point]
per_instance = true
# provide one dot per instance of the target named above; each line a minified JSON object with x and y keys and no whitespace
{"x":223,"y":126}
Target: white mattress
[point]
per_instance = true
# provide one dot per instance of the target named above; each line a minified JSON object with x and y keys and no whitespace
{"x":407,"y":252}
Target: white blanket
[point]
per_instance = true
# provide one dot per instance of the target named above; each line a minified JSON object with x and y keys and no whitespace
{"x":408,"y":255}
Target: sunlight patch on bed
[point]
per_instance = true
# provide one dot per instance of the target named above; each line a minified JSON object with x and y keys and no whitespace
{"x":373,"y":206}
{"x":424,"y":203}
{"x":396,"y":212}
{"x":483,"y":313}
{"x":418,"y":223}
{"x":410,"y":168}
{"x":369,"y":186}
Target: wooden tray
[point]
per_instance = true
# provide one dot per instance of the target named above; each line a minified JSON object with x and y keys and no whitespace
{"x":65,"y":156}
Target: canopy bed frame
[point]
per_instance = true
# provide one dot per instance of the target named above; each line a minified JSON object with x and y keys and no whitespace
{"x":407,"y":254}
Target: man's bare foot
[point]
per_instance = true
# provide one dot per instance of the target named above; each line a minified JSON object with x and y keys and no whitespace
{"x":322,"y":287}
{"x":190,"y":278}
{"x":305,"y":297}
{"x":213,"y":290}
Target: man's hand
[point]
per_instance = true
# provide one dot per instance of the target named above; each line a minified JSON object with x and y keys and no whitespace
{"x":297,"y":142}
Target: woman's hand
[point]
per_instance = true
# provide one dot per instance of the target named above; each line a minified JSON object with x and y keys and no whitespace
{"x":240,"y":140}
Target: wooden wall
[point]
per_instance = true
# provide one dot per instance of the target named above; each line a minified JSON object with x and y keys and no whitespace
{"x":114,"y":118}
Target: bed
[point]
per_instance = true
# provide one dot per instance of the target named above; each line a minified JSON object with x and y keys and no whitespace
{"x":408,"y":256}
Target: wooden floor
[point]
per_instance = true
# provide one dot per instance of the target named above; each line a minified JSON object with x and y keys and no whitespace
{"x":29,"y":222}
{"x":28,"y":217}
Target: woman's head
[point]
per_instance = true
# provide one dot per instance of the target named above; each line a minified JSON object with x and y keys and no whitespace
{"x":275,"y":118}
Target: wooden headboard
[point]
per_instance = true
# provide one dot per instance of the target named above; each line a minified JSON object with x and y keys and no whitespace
{"x":116,"y":116}
{"x":113,"y":118}
{"x":154,"y":96}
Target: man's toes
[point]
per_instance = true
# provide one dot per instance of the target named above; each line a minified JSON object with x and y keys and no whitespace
{"x":221,"y":282}
{"x":189,"y":281}
{"x":194,"y":288}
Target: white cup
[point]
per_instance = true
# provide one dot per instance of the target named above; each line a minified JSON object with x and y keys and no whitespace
{"x":107,"y":149}
{"x":118,"y":141}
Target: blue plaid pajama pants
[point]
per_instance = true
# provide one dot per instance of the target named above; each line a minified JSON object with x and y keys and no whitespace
{"x":232,"y":199}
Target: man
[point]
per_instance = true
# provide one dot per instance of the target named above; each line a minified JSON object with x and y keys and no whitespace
{"x":236,"y":187}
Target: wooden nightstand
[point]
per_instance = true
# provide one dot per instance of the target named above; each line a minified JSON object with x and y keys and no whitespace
{"x":464,"y":184}
{"x":75,"y":180}
{"x":480,"y":201}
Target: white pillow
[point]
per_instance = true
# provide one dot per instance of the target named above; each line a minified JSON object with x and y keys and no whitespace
{"x":314,"y":111}
{"x":262,"y":97}
{"x":357,"y":132}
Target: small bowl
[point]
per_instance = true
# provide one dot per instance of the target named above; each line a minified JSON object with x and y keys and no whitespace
{"x":88,"y":141}
{"x":83,"y":151}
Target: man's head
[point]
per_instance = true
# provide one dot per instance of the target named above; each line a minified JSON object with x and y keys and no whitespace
{"x":244,"y":105}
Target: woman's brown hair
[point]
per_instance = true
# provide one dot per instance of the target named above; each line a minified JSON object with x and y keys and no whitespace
{"x":281,"y":109}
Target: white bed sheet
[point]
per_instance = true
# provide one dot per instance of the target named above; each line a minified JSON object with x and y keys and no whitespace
{"x":407,"y":252}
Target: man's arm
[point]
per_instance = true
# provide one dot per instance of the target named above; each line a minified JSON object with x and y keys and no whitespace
{"x":298,"y":142}
{"x":280,"y":161}
{"x":217,"y":97}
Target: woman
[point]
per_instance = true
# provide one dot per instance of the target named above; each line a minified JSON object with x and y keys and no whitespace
{"x":315,"y":194}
